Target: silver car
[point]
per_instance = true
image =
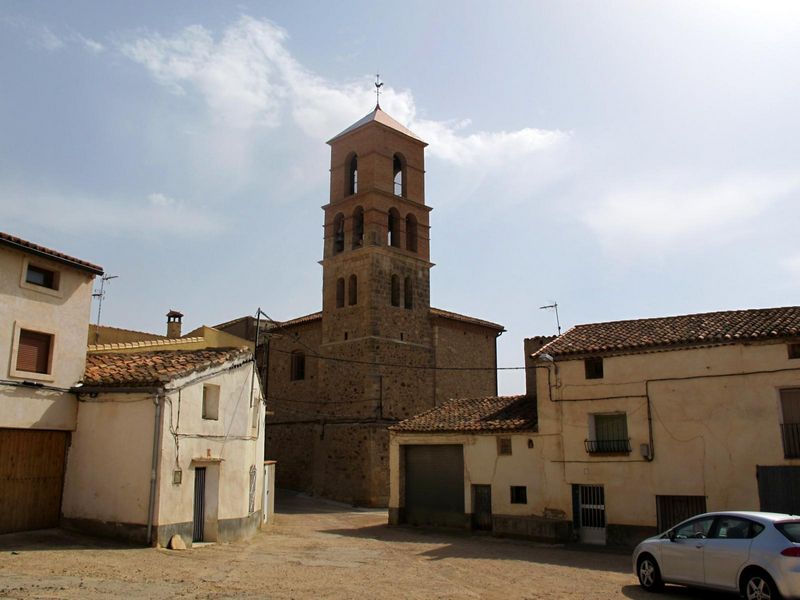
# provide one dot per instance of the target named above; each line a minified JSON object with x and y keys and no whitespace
{"x":754,"y":553}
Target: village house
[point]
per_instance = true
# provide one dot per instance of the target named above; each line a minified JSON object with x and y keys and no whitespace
{"x":377,"y":352}
{"x":45,"y":300}
{"x":168,"y":442}
{"x":637,"y":425}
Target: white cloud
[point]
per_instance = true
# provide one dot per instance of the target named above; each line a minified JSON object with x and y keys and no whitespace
{"x":158,"y":214}
{"x":50,"y":40}
{"x":248,"y":79}
{"x":642,"y":219}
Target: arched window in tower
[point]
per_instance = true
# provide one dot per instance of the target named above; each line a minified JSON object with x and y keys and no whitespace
{"x":395,"y":290}
{"x":411,"y":233}
{"x":394,"y":228}
{"x":352,"y":175}
{"x":352,"y":292}
{"x":338,"y":233}
{"x":399,"y":174}
{"x":358,"y":227}
{"x":298,"y":368}
{"x":340,"y":292}
{"x":408,"y":292}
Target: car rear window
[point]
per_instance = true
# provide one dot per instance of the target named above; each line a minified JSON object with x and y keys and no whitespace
{"x":790,"y":529}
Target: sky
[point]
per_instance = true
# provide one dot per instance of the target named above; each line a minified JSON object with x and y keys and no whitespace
{"x":622,"y":159}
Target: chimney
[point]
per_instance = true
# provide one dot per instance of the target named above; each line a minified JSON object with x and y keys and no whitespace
{"x":174,"y":324}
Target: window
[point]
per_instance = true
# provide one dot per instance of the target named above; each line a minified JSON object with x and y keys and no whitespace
{"x":790,"y":427}
{"x":395,"y":290}
{"x":399,"y":169}
{"x":393,"y":228}
{"x":338,"y":233}
{"x":41,"y":277}
{"x":794,"y":350}
{"x":519,"y":494}
{"x":358,"y":227}
{"x":298,"y":371}
{"x":211,"y":402}
{"x":352,"y":176}
{"x":608,"y":434}
{"x":340,"y":292}
{"x":34,"y":351}
{"x":408,"y":293}
{"x":504,"y":446}
{"x":594,"y":367}
{"x":696,"y":529}
{"x":736,"y":528}
{"x":352,"y":291}
{"x":411,"y":233}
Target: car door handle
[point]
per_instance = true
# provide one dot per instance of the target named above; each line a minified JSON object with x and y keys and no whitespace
{"x":698,"y":545}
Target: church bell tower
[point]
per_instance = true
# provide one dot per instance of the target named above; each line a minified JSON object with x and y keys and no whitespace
{"x":376,"y":271}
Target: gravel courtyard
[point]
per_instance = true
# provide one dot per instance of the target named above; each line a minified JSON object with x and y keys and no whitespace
{"x":317,"y":549}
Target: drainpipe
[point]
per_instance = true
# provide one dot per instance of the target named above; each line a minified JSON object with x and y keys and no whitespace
{"x":157,"y":397}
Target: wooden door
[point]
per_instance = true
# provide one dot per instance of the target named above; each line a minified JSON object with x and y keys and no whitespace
{"x":31,"y":478}
{"x":482,"y":507}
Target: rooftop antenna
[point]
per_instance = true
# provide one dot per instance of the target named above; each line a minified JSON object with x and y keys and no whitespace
{"x":554,"y":306}
{"x":101,"y":293}
{"x":378,"y":86}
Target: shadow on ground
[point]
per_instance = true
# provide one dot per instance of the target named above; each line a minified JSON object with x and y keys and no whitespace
{"x":57,"y":539}
{"x":289,"y":502}
{"x":674,"y":592}
{"x":458,"y":544}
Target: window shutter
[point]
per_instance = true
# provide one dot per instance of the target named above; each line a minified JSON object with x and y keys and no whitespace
{"x":33,"y":354}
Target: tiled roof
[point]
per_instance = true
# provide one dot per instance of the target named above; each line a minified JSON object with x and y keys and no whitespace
{"x":147,"y":369}
{"x":435,"y":312}
{"x":76,"y":263}
{"x":704,"y":329}
{"x":154,"y":344}
{"x":478,"y":415}
{"x":378,"y":116}
{"x":438,"y":312}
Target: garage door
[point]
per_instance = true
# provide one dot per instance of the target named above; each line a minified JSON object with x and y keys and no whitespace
{"x":779,"y":489}
{"x":31,"y":478}
{"x":434,"y":485}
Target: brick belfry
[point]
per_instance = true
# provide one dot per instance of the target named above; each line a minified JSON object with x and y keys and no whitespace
{"x":377,"y":353}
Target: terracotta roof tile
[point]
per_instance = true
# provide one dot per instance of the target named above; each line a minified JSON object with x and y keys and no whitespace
{"x":20,"y":244}
{"x":714,"y":328}
{"x":146,"y":369}
{"x":478,"y":415}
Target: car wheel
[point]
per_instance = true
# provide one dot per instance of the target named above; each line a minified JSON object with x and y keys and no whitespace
{"x":759,"y":586}
{"x":649,"y":575}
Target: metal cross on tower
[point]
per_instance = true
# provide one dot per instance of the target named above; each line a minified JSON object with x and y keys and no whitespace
{"x":378,"y":86}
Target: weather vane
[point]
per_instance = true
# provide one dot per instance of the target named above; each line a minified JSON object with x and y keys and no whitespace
{"x":378,"y":86}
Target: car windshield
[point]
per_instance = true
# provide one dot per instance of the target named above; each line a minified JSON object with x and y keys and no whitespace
{"x":790,"y":529}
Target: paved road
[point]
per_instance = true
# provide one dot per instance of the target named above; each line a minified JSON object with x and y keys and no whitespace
{"x":317,"y":549}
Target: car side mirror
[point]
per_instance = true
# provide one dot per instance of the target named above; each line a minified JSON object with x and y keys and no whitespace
{"x":671,"y":535}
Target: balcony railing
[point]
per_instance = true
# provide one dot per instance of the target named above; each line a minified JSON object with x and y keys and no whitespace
{"x":608,"y":446}
{"x":791,"y":439}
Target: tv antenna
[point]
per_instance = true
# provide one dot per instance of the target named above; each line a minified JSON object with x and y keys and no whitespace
{"x":553,"y":306}
{"x":101,"y":293}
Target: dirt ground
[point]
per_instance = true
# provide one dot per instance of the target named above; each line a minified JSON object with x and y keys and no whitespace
{"x":317,"y":549}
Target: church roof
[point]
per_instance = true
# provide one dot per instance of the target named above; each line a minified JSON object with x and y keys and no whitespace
{"x":434,"y":312}
{"x":378,"y":116}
